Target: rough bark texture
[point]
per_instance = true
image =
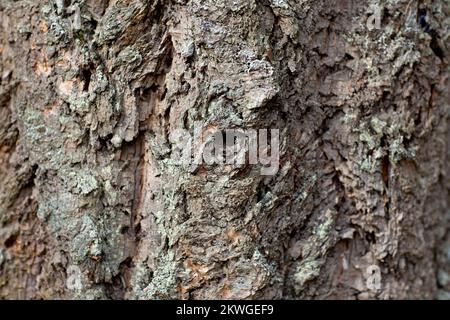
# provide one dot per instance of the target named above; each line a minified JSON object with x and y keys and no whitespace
{"x":90,"y":91}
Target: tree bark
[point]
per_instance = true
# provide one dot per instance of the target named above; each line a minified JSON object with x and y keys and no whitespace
{"x":93,"y":206}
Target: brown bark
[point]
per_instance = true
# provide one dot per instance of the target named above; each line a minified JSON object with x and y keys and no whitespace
{"x":92,"y":205}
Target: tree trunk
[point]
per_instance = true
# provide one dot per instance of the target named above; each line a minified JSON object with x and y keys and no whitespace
{"x":93,"y":204}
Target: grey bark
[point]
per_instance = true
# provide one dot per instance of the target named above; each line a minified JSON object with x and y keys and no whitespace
{"x":91,"y":205}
